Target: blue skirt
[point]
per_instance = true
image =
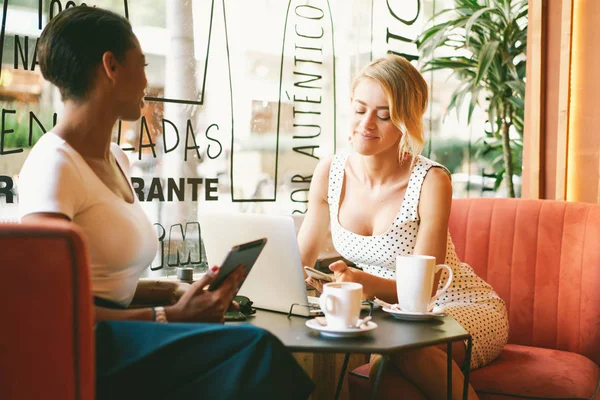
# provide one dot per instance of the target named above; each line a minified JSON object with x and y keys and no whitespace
{"x":148,"y":360}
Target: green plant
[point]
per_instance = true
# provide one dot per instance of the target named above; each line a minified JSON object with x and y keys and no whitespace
{"x":488,"y":39}
{"x":448,"y":152}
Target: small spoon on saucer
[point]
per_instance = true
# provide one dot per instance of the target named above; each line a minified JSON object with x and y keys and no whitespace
{"x":386,"y":304}
{"x":364,"y":321}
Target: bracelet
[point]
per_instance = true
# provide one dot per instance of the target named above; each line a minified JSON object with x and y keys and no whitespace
{"x":159,"y":314}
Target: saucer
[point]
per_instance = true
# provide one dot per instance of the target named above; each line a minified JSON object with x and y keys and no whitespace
{"x":338,"y":333}
{"x":412,"y":316}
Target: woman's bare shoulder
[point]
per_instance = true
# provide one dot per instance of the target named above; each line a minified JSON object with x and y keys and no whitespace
{"x":436,"y":193}
{"x":322,"y":169}
{"x":437,"y":178}
{"x":320,"y":178}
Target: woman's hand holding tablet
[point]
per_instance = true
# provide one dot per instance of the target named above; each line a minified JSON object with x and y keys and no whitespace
{"x":200,"y":305}
{"x":243,"y":254}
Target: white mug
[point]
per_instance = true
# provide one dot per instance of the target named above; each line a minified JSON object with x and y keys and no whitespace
{"x":414,"y":282}
{"x":340,"y":302}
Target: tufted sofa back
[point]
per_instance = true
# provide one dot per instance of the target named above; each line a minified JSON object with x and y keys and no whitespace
{"x":543,"y":258}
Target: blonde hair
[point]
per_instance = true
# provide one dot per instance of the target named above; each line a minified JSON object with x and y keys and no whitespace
{"x":407,"y":95}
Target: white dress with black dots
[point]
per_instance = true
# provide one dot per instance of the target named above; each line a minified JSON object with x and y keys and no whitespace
{"x":470,"y":300}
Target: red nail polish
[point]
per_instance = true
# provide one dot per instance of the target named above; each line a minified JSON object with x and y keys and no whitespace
{"x":214,"y":268}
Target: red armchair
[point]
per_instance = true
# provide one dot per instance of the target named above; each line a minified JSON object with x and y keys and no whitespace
{"x":543,"y":258}
{"x":46,"y":341}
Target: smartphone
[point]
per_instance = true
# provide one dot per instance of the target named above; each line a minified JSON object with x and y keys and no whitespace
{"x":242,"y":254}
{"x":313,"y":273}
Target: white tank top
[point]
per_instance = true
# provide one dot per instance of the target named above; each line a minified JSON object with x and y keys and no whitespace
{"x":377,"y":254}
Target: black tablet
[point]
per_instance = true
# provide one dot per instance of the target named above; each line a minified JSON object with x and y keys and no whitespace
{"x":242,"y":254}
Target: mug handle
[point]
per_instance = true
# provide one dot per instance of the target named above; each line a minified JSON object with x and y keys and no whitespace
{"x":327,"y":303}
{"x":446,"y":286}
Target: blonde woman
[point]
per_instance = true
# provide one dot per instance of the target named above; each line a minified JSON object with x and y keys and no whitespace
{"x":384,"y":200}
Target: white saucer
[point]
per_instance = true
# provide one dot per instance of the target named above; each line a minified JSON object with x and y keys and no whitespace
{"x":350,"y":332}
{"x":412,"y":316}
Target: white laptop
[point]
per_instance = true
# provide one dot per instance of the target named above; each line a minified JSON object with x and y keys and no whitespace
{"x":277,"y":279}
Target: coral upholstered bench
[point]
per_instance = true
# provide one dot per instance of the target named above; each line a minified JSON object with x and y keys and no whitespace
{"x":543,"y":258}
{"x":47,"y":337}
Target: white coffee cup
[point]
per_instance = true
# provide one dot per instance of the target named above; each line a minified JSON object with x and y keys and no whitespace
{"x":414,"y":282}
{"x":340,"y":302}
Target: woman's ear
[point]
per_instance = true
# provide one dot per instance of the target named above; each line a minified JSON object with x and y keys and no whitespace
{"x":110,"y":65}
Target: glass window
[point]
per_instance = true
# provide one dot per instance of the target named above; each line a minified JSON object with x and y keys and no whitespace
{"x":244,"y":98}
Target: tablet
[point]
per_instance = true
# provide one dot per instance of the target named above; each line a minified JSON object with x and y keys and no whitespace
{"x":242,"y":254}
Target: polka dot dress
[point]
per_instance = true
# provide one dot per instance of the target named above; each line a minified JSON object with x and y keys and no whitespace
{"x":470,"y":300}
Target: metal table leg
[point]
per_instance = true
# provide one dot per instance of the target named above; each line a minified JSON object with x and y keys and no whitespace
{"x":384,"y":359}
{"x":338,"y":390}
{"x":468,"y":367}
{"x":449,"y":370}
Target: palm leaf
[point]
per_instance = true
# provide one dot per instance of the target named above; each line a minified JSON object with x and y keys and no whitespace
{"x":467,"y":3}
{"x":474,"y":19}
{"x":517,"y":86}
{"x":493,"y":112}
{"x":517,"y":102}
{"x":453,"y":63}
{"x":429,"y":33}
{"x":457,"y":98}
{"x":499,"y":179}
{"x":485,"y":58}
{"x":474,"y":101}
{"x":503,"y":6}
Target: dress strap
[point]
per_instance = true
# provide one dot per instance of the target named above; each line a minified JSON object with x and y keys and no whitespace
{"x":415,"y":183}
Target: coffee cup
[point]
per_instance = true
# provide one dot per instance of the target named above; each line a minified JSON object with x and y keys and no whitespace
{"x":340,"y":302}
{"x":414,"y":282}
